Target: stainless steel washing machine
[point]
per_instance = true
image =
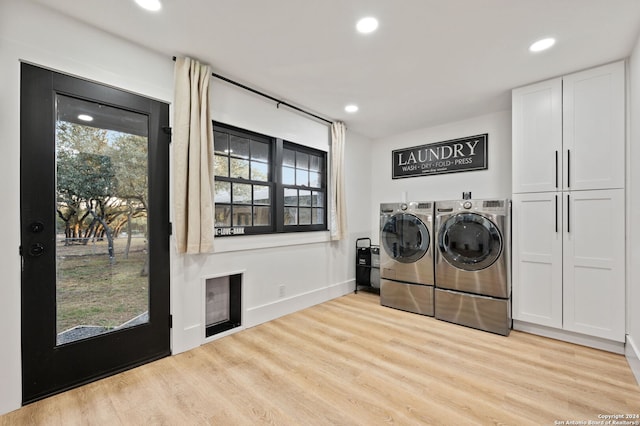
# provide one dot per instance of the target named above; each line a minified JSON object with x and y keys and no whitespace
{"x":472,"y":263}
{"x":406,"y":256}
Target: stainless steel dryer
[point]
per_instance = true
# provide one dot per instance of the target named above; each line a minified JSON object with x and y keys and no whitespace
{"x":406,"y":256}
{"x":472,"y":264}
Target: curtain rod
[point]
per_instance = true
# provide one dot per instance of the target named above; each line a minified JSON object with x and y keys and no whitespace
{"x":257,"y":92}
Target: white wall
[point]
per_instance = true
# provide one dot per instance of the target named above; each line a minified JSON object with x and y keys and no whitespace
{"x":495,"y":182}
{"x":632,"y":349}
{"x":311,"y":268}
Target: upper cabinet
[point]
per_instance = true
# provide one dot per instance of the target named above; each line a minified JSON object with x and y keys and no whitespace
{"x":568,"y":133}
{"x":593,"y":105}
{"x":537,"y":137}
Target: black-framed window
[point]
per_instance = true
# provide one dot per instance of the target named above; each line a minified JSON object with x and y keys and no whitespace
{"x":267,"y":185}
{"x":304,"y":188}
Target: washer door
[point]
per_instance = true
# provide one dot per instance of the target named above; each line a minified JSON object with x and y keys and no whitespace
{"x":469,"y":241}
{"x":405,"y":238}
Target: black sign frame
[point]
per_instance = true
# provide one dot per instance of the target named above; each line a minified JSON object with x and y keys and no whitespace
{"x":453,"y":156}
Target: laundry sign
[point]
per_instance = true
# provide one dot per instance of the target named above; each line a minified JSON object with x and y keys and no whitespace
{"x":452,"y":156}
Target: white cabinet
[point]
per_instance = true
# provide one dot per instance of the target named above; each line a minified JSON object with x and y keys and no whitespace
{"x":537,"y":137}
{"x":568,"y":203}
{"x":593,"y":257}
{"x":568,"y":261}
{"x":593,"y":128}
{"x":537,"y":258}
{"x":568,"y":133}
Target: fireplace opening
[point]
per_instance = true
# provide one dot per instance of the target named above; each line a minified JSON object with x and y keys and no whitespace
{"x":223,"y":306}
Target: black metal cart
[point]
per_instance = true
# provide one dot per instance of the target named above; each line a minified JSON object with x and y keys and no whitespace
{"x":367,"y":266}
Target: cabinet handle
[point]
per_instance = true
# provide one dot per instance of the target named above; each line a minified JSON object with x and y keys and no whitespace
{"x":556,"y":170}
{"x":568,"y":168}
{"x":556,"y":212}
{"x":568,"y":215}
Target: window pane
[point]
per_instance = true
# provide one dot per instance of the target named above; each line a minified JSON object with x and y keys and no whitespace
{"x":239,"y":169}
{"x":302,"y":160}
{"x":259,"y":171}
{"x":290,"y":215}
{"x":220,"y":142}
{"x":241,"y":215}
{"x":261,"y":216}
{"x":241,"y":193}
{"x":222,"y":192}
{"x":305,"y":198}
{"x":315,"y":163}
{"x":261,"y":195}
{"x":259,"y":151}
{"x":318,"y":216}
{"x":289,"y":158}
{"x":302,"y":177}
{"x":223,"y":216}
{"x":318,"y":199}
{"x":238,"y":147}
{"x":221,"y":165}
{"x":305,"y":217}
{"x":314,"y":179}
{"x":290,"y":197}
{"x":288,"y":176}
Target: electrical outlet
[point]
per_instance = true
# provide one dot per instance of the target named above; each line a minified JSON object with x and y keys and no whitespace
{"x":281,"y":290}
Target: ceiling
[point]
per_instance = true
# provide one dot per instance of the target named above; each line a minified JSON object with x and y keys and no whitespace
{"x":430,"y":61}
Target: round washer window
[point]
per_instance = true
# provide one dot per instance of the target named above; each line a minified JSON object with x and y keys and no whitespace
{"x":405,"y":238}
{"x":470,"y":241}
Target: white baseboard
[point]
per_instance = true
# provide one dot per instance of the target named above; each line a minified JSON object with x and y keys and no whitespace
{"x":632,"y":352}
{"x":270,"y":311}
{"x":571,"y":337}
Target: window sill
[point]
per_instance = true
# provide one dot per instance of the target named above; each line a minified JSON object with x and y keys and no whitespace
{"x":254,"y":242}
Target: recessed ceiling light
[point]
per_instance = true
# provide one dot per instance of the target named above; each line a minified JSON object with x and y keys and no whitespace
{"x":367,"y":25}
{"x":543,"y":44}
{"x":151,"y":5}
{"x":85,"y":117}
{"x":351,"y":108}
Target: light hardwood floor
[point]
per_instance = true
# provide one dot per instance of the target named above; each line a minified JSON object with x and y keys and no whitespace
{"x":350,"y":361}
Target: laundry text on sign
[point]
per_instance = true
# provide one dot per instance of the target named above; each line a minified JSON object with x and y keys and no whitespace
{"x":458,"y":155}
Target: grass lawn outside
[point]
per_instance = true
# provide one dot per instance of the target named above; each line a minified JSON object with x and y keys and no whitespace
{"x":92,"y":291}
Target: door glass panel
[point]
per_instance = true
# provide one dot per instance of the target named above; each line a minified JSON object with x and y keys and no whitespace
{"x":470,"y":242}
{"x":102,"y":263}
{"x":405,"y":238}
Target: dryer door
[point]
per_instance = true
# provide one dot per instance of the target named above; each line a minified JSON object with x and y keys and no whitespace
{"x":405,"y":238}
{"x":469,"y":241}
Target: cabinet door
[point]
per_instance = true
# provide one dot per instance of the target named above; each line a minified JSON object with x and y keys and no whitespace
{"x":593,"y":128}
{"x":537,"y":258}
{"x":537,"y":137}
{"x":594,"y":276}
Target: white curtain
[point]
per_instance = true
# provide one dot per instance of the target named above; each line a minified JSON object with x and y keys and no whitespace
{"x":338,"y":206}
{"x":192,"y":154}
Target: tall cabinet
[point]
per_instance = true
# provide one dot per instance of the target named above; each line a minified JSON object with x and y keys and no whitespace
{"x":569,"y":203}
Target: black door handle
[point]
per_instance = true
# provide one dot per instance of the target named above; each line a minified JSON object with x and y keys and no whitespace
{"x":36,"y":250}
{"x":36,"y":227}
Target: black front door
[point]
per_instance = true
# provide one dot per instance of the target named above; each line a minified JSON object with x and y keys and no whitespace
{"x":94,"y":231}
